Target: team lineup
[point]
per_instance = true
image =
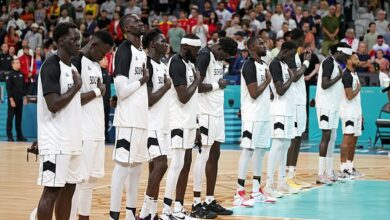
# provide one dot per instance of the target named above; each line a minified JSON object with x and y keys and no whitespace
{"x":164,"y":111}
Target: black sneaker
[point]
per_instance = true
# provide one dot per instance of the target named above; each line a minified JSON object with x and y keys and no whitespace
{"x":199,"y":211}
{"x":217,"y":208}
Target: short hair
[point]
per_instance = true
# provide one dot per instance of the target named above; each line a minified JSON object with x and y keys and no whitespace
{"x":104,"y":36}
{"x":228,"y":45}
{"x":251,"y":41}
{"x":288,"y":46}
{"x":62,"y":29}
{"x":89,"y":13}
{"x":380,"y":37}
{"x":123,"y":20}
{"x":371,"y":23}
{"x":150,"y":36}
{"x":297,"y":33}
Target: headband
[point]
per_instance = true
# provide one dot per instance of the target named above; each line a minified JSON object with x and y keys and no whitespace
{"x":191,"y":42}
{"x":345,"y":50}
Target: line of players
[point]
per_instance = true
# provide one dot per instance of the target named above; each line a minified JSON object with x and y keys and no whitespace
{"x":167,"y":119}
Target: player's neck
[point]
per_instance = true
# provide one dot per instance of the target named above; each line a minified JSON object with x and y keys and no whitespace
{"x":256,"y":57}
{"x":156,"y":57}
{"x":64,"y":56}
{"x":135,"y":40}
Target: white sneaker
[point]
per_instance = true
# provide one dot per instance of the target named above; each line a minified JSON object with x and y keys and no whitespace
{"x":260,"y":198}
{"x":287,"y":189}
{"x":181,"y":215}
{"x":356,"y":173}
{"x":239,"y":200}
{"x":273,"y":192}
{"x":269,"y":198}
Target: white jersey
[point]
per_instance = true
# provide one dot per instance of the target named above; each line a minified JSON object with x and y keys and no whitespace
{"x":131,"y":111}
{"x":350,"y":108}
{"x":58,"y":133}
{"x":281,"y":105}
{"x":254,"y":109}
{"x":93,"y":111}
{"x":182,"y":115}
{"x":329,"y":98}
{"x":210,"y":103}
{"x":159,"y":112}
{"x":299,"y":86}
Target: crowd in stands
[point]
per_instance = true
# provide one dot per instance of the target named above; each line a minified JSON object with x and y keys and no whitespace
{"x":26,"y":27}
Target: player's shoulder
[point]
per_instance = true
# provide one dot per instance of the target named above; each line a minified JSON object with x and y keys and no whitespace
{"x":125,"y":45}
{"x":52,"y":62}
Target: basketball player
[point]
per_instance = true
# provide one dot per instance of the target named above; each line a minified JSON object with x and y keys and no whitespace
{"x":211,"y":121}
{"x":59,"y":115}
{"x":300,"y":117}
{"x":92,"y":129}
{"x":158,"y":85}
{"x":256,"y":125}
{"x":351,"y":119}
{"x":282,"y":119}
{"x":183,"y":110}
{"x":131,"y":116}
{"x":328,"y":98}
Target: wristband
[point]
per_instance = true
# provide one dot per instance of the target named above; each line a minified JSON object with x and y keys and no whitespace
{"x":215,"y":86}
{"x":97,"y":92}
{"x":306,"y":63}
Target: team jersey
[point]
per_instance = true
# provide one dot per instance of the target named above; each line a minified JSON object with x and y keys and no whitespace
{"x":159,"y":112}
{"x":350,"y":108}
{"x":182,"y":115}
{"x":254,"y":109}
{"x":329,"y":98}
{"x":299,"y":86}
{"x":58,"y":133}
{"x":281,"y":105}
{"x":92,"y":112}
{"x":131,"y":111}
{"x":210,"y":102}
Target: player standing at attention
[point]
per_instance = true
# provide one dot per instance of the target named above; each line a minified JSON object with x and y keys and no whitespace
{"x":256,"y":125}
{"x":159,"y":85}
{"x":211,"y":121}
{"x":131,"y":116}
{"x":59,"y":115}
{"x":92,"y":129}
{"x":183,"y":110}
{"x":328,"y":98}
{"x":351,"y":119}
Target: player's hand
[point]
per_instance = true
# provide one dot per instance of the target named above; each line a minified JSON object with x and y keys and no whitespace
{"x":341,"y":73}
{"x":290,"y":73}
{"x":222,"y":83}
{"x":268,"y":76}
{"x":12,"y":102}
{"x":307,"y":56}
{"x":25,"y":101}
{"x":33,"y":149}
{"x":358,"y":87}
{"x":101,"y":86}
{"x":76,"y":79}
{"x":196,"y":75}
{"x":307,"y":78}
{"x":145,"y":73}
{"x":167,"y":81}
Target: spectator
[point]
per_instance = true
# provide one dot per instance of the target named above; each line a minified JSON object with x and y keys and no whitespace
{"x":207,"y":8}
{"x":5,"y":59}
{"x":193,"y":20}
{"x":214,"y":39}
{"x":4,"y":13}
{"x":16,"y":90}
{"x":3,"y":32}
{"x":235,"y":27}
{"x":330,"y":29}
{"x":109,"y":6}
{"x":16,"y":22}
{"x":381,"y":61}
{"x":311,"y":72}
{"x":260,"y":12}
{"x":380,"y":45}
{"x":298,"y":16}
{"x":364,"y":59}
{"x":165,"y":24}
{"x":175,"y":34}
{"x":53,"y":12}
{"x":33,"y":37}
{"x":247,"y":29}
{"x":386,"y":36}
{"x":183,"y":20}
{"x":145,"y":16}
{"x":12,"y":38}
{"x":104,"y":64}
{"x":289,"y":5}
{"x":277,"y":18}
{"x":323,"y":11}
{"x":254,"y":23}
{"x":291,"y":22}
{"x":79,"y":6}
{"x":27,"y":66}
{"x":27,"y":15}
{"x":305,"y":18}
{"x":40,"y":14}
{"x":103,"y":21}
{"x":381,"y":23}
{"x":278,"y":44}
{"x":351,"y":40}
{"x":115,"y":29}
{"x":284,"y":30}
{"x":267,"y":18}
{"x":70,"y":8}
{"x":65,"y":17}
{"x":309,"y":36}
{"x":201,"y":30}
{"x":244,"y":54}
{"x":90,"y":24}
{"x":342,"y":20}
{"x":38,"y":58}
{"x":240,"y":39}
{"x":212,"y":24}
{"x":316,"y":19}
{"x":371,"y":37}
{"x":133,"y":8}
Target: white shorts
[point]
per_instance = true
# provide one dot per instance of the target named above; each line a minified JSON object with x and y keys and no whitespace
{"x":158,"y":144}
{"x":93,"y":157}
{"x":282,"y":127}
{"x":352,"y":125}
{"x":131,"y":145}
{"x":183,"y":138}
{"x":255,"y":134}
{"x":212,"y":128}
{"x":327,"y":119}
{"x":56,"y":170}
{"x":300,"y":119}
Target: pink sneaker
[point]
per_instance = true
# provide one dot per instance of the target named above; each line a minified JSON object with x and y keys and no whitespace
{"x":239,"y":200}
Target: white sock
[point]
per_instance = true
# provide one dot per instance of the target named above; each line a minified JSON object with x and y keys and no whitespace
{"x":330,"y":151}
{"x":129,"y":215}
{"x":283,"y":162}
{"x":329,"y":165}
{"x":197,"y":201}
{"x":291,"y":172}
{"x":349,"y":165}
{"x":246,"y":155}
{"x":274,"y":156}
{"x":209,"y":199}
{"x":257,"y":167}
{"x":146,"y":206}
{"x":166,"y":209}
{"x":200,"y":167}
{"x":75,"y":203}
{"x":132,"y":186}
{"x":85,"y":197}
{"x":342,"y":166}
{"x":119,"y":175}
{"x":175,"y":167}
{"x":178,"y":207}
{"x":321,"y":165}
{"x":153,"y":209}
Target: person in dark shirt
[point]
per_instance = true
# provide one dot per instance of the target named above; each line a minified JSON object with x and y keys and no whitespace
{"x":16,"y":89}
{"x":5,"y":59}
{"x":364,"y":59}
{"x":103,"y":22}
{"x":106,"y":98}
{"x":3,"y":32}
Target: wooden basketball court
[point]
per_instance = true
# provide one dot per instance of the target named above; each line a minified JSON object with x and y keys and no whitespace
{"x":20,"y":193}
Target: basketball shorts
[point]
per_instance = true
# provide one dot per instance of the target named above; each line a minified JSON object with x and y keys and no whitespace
{"x":327,"y":119}
{"x":56,"y":170}
{"x":282,"y":127}
{"x":212,"y":128}
{"x":93,"y":157}
{"x":300,"y":119}
{"x":131,"y":145}
{"x":158,"y":144}
{"x":352,"y":125}
{"x":255,"y":134}
{"x":183,"y":138}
